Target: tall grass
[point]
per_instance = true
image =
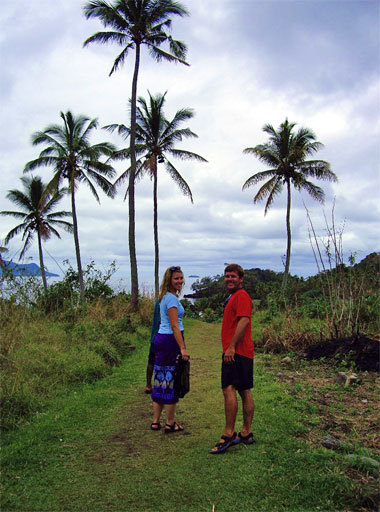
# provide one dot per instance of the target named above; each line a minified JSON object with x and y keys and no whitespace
{"x":47,"y":351}
{"x":350,"y":303}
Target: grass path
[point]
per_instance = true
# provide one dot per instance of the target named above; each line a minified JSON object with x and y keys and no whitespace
{"x":94,"y":451}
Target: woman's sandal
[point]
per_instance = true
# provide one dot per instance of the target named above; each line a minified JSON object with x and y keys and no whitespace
{"x":223,"y":446}
{"x":155,"y":425}
{"x":169,"y":429}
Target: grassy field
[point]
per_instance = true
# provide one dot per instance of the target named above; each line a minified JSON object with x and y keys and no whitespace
{"x":93,"y":450}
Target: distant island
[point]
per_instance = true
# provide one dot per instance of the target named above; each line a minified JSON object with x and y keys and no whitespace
{"x":28,"y":269}
{"x":194,"y":276}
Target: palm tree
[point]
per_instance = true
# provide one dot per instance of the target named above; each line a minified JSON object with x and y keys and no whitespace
{"x":155,"y":139}
{"x":2,"y":250}
{"x":69,"y":152}
{"x":134,"y":23}
{"x":37,"y":203}
{"x":286,"y":154}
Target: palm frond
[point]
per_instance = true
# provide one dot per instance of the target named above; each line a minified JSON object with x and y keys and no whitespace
{"x":177,"y":178}
{"x":313,"y":190}
{"x":259,"y":176}
{"x":158,"y":54}
{"x":102,"y":182}
{"x":44,"y":161}
{"x":67,"y":226}
{"x":87,"y":181}
{"x":22,"y":200}
{"x":119,"y":38}
{"x":16,"y":215}
{"x":51,"y":217}
{"x":119,"y":61}
{"x":14,"y":232}
{"x":318,"y":169}
{"x":274,"y":188}
{"x":186,"y":155}
{"x":28,"y":241}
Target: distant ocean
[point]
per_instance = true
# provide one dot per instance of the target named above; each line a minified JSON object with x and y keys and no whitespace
{"x":118,"y":283}
{"x":121,"y":284}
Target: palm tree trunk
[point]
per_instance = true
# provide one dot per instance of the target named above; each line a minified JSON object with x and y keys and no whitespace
{"x":131,"y":196}
{"x":289,"y":237}
{"x":155,"y":230}
{"x":42,"y":266}
{"x":76,"y":242}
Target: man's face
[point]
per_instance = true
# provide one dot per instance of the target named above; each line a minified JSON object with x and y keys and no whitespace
{"x":233,"y":281}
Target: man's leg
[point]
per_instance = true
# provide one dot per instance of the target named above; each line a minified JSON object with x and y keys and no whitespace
{"x":149,"y":375}
{"x":230,"y":409}
{"x":248,"y":410}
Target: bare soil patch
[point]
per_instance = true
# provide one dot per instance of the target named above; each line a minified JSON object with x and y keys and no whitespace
{"x":362,"y":351}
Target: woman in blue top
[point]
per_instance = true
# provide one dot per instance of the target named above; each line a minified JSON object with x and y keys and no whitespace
{"x":168,"y":344}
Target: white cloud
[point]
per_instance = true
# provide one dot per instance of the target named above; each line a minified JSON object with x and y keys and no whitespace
{"x":243,"y":74}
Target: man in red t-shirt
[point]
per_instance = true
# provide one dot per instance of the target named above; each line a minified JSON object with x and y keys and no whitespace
{"x":237,"y":360}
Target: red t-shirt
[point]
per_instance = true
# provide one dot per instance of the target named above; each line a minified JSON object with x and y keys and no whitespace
{"x":239,"y":304}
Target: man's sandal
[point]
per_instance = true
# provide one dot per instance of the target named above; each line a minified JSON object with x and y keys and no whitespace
{"x":223,"y":446}
{"x":248,"y":439}
{"x":169,"y":429}
{"x":155,"y":425}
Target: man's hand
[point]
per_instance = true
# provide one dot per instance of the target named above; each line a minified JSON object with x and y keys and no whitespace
{"x":229,"y":355}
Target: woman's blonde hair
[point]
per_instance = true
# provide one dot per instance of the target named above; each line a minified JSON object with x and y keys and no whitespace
{"x":166,"y":280}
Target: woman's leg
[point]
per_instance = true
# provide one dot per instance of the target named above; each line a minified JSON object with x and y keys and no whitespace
{"x":157,"y":410}
{"x":170,"y":413}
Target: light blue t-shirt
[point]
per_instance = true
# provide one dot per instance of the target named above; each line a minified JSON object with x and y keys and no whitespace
{"x":168,"y":301}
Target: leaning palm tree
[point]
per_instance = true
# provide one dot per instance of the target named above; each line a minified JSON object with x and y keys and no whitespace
{"x":135,"y":23}
{"x":37,"y":203}
{"x":155,"y":140}
{"x":286,"y":154}
{"x":73,"y":158}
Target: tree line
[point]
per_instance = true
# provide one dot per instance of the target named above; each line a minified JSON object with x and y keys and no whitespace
{"x":152,"y":139}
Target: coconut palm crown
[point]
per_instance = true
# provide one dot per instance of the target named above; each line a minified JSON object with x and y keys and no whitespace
{"x":133,"y":24}
{"x":156,"y":138}
{"x":37,"y":204}
{"x":286,"y":153}
{"x":73,"y":159}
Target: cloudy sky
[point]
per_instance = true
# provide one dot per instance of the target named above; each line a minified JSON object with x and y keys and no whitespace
{"x":252,"y":62}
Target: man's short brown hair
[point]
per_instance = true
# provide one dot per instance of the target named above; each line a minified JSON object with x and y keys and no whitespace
{"x":234,"y":267}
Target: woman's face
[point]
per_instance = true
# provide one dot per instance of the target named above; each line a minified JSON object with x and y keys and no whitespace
{"x":176,"y":281}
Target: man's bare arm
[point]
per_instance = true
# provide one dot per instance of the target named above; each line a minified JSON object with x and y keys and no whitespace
{"x":242,"y":325}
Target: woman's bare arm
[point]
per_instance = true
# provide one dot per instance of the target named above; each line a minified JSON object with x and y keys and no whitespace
{"x":173,"y":318}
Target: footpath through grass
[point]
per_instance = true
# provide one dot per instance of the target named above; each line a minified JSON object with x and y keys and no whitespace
{"x":94,"y":450}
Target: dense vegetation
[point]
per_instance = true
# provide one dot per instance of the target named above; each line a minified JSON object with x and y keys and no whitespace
{"x":343,"y":301}
{"x":52,"y":341}
{"x":94,"y":451}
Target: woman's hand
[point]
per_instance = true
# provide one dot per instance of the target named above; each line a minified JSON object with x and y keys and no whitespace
{"x":184,"y":354}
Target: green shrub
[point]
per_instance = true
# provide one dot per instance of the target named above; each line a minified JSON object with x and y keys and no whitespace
{"x":17,"y":402}
{"x":86,"y":365}
{"x":209,"y":315}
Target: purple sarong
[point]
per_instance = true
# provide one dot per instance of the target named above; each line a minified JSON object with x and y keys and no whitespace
{"x":166,"y":351}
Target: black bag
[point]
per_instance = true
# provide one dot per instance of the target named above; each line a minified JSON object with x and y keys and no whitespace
{"x":181,"y":377}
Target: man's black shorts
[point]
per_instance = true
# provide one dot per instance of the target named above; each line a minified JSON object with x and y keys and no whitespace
{"x":238,"y":374}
